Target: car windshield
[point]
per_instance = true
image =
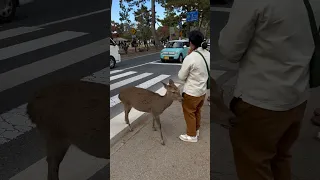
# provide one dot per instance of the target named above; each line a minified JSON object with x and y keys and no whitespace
{"x":174,"y":45}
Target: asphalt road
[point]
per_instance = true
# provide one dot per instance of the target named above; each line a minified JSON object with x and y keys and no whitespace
{"x":47,"y":42}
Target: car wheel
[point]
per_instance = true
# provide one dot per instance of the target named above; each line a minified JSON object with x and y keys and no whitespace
{"x":112,"y":62}
{"x":162,"y":60}
{"x":9,"y":11}
{"x":180,"y":59}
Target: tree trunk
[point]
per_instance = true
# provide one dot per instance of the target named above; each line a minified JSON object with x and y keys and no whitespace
{"x":201,"y":20}
{"x":153,"y":24}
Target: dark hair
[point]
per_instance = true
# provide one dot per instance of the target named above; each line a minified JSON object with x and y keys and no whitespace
{"x":197,"y":39}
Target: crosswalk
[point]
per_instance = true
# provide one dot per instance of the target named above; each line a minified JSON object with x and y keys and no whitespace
{"x":14,"y":123}
{"x":18,"y":70}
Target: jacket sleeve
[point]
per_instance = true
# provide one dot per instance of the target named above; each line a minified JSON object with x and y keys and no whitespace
{"x":185,"y":69}
{"x":236,"y":35}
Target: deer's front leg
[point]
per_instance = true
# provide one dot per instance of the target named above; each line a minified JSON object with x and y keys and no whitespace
{"x":153,"y":127}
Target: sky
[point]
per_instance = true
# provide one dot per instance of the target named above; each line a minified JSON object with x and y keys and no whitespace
{"x":116,"y":9}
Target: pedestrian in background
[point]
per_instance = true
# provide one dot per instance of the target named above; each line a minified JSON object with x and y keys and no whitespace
{"x":194,"y":74}
{"x":273,"y":43}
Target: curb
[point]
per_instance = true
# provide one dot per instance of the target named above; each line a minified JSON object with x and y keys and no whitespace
{"x":135,"y":125}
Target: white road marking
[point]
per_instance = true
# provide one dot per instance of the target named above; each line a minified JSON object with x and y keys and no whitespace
{"x":129,"y":80}
{"x":114,"y":100}
{"x":117,"y":124}
{"x":39,"y":43}
{"x":17,"y":31}
{"x":120,"y":70}
{"x":122,"y":75}
{"x":37,"y":69}
{"x":86,"y":166}
{"x":74,"y":17}
{"x":167,"y":64}
{"x":220,"y":9}
{"x":115,"y":71}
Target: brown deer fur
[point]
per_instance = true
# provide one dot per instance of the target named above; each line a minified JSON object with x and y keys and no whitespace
{"x":72,"y":113}
{"x":148,"y":101}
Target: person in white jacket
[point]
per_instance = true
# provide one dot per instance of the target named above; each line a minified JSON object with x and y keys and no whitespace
{"x":194,"y":74}
{"x":273,"y":44}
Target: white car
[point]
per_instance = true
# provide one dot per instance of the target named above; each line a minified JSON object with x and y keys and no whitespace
{"x":115,"y":56}
{"x":8,"y":8}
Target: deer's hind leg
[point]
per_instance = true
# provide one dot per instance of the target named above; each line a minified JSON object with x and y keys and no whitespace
{"x":159,"y":123}
{"x":127,"y":109}
{"x":56,"y":150}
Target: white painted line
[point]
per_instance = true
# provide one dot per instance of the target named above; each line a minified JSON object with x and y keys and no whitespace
{"x":74,"y":17}
{"x":220,"y":9}
{"x":115,"y":71}
{"x":37,"y":69}
{"x":86,"y":166}
{"x":122,"y":75}
{"x":167,"y":64}
{"x":127,"y":81}
{"x":114,"y":100}
{"x":142,"y":56}
{"x":35,"y":44}
{"x":117,"y":124}
{"x":17,"y":31}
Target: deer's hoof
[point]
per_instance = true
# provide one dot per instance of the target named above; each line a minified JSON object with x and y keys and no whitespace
{"x":154,"y":129}
{"x":162,"y":143}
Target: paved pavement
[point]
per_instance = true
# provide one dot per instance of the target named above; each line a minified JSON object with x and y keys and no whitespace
{"x":47,"y":42}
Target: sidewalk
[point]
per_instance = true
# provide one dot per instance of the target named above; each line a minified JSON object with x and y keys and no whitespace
{"x":140,"y":155}
{"x":132,"y":54}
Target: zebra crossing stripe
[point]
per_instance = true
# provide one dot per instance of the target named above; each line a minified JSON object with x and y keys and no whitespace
{"x":129,"y":80}
{"x":114,"y":100}
{"x":115,"y":71}
{"x":39,"y":43}
{"x":17,"y":31}
{"x":122,"y":75}
{"x":40,"y":68}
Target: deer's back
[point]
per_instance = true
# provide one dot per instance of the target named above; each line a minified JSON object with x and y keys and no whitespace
{"x":76,"y":110}
{"x":139,"y":98}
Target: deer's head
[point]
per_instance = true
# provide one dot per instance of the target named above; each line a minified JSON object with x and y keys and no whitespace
{"x":173,"y":91}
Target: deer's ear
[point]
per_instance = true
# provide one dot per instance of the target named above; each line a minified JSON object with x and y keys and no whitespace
{"x":164,"y":85}
{"x":171,"y":82}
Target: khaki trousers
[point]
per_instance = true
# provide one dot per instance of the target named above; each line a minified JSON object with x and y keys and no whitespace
{"x":262,"y":140}
{"x":192,"y":112}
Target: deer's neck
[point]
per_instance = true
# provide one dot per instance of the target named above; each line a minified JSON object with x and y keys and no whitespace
{"x":167,"y":101}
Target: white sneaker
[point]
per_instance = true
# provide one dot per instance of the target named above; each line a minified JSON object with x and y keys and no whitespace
{"x":186,"y":138}
{"x":198,"y":133}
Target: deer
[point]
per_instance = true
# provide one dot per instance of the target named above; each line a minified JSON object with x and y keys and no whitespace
{"x":72,"y":113}
{"x":150,"y":102}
